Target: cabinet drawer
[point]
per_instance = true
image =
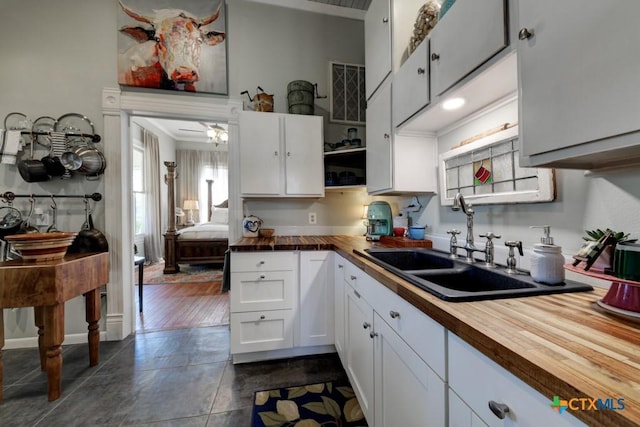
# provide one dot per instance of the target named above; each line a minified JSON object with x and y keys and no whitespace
{"x":263,"y":261}
{"x":360,"y":281}
{"x":262,"y":290}
{"x":261,"y":331}
{"x":479,"y":380}
{"x":424,"y":335}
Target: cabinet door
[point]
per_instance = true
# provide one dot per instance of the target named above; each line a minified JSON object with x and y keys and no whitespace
{"x":316,"y":298}
{"x":460,"y":415}
{"x":377,"y":47}
{"x":379,"y":141}
{"x":338,"y":303}
{"x":359,"y":350}
{"x":261,"y":331}
{"x":411,"y":85}
{"x":578,"y":85}
{"x":469,"y":34}
{"x":260,"y":156}
{"x":304,"y":168}
{"x":407,"y":391}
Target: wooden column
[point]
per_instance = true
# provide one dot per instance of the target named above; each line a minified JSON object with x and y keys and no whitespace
{"x":170,"y":237}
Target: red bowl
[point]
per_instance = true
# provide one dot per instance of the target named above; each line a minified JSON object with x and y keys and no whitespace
{"x":624,"y":296}
{"x":398,"y":231}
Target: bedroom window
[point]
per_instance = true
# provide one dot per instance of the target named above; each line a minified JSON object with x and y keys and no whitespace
{"x":138,"y":190}
{"x":219,"y":189}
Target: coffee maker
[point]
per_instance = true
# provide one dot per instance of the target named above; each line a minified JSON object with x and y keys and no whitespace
{"x":379,"y":220}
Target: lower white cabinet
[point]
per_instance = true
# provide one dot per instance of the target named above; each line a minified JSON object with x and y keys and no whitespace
{"x":394,"y":384}
{"x":479,"y":383}
{"x":316,"y":298}
{"x":338,"y":304}
{"x":281,"y":301}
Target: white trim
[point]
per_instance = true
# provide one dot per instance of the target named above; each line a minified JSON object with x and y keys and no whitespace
{"x":118,"y":107}
{"x":309,"y":6}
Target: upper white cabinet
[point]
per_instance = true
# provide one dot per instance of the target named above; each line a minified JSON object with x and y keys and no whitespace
{"x":578,"y":65}
{"x":396,"y":164}
{"x":468,"y":35}
{"x":377,"y":47}
{"x":411,"y":85}
{"x":281,"y":155}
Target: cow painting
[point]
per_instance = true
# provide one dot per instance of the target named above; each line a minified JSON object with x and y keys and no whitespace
{"x":168,"y":48}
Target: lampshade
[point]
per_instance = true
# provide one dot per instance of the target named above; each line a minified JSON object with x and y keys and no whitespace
{"x":190,"y":205}
{"x":365,"y":211}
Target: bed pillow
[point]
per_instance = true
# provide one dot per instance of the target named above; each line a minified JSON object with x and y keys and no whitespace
{"x":220,"y":215}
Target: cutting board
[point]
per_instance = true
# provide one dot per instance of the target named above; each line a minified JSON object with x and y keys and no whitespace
{"x":404,"y":242}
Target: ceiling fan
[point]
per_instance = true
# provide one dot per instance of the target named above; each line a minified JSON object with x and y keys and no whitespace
{"x":215,"y":132}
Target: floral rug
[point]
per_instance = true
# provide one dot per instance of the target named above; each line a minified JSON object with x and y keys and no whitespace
{"x":188,"y":274}
{"x":324,"y":404}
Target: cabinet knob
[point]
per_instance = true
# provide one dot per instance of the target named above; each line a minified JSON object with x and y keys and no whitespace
{"x":525,"y":34}
{"x":394,"y":314}
{"x":261,"y":263}
{"x":366,"y":325}
{"x":385,"y":20}
{"x":340,"y":266}
{"x":275,"y":153}
{"x":500,"y":410}
{"x":386,"y":136}
{"x":263,"y":317}
{"x":435,"y":56}
{"x":373,"y":334}
{"x":288,"y":153}
{"x":262,"y":276}
{"x":421,"y":70}
{"x":352,"y":277}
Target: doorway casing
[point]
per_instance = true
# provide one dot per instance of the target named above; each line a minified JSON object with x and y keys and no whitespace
{"x":117,"y":109}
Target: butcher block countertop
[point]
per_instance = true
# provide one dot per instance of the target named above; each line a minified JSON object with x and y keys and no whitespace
{"x":561,"y":345}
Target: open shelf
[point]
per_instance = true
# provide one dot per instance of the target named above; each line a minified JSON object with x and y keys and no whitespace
{"x":345,"y":169}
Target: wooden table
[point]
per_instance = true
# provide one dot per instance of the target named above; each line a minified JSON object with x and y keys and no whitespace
{"x":46,"y":287}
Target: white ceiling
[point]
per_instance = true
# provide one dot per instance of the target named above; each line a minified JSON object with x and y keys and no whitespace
{"x":354,"y":9}
{"x":185,"y":130}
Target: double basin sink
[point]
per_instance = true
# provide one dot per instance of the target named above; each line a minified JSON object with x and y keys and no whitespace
{"x":456,"y":280}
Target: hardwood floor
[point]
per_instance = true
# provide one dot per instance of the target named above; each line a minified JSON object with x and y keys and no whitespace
{"x":182,"y":305}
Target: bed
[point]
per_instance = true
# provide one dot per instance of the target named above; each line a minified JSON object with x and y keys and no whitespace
{"x":200,"y":244}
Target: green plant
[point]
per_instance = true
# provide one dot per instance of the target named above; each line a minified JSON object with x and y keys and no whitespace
{"x":619,"y":236}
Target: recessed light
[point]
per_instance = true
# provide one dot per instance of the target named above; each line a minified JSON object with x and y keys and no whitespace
{"x":453,"y":103}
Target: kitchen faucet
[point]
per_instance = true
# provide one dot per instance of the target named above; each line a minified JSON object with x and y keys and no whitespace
{"x":469,"y":246}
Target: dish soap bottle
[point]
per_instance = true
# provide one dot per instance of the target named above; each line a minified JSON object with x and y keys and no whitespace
{"x":547,"y":261}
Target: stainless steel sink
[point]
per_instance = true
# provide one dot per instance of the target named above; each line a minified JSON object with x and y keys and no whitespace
{"x":456,"y":280}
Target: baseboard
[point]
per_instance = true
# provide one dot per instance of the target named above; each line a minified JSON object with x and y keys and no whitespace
{"x":284,"y":353}
{"x":32,"y":342}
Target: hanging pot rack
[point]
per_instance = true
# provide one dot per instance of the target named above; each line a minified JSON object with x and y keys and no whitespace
{"x":94,"y":137}
{"x":9,"y":196}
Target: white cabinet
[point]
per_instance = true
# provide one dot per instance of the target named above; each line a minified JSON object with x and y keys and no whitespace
{"x":377,"y":48}
{"x":407,"y":391}
{"x":411,"y":85}
{"x":478,"y":383}
{"x":316,"y":298}
{"x":579,"y":92}
{"x":469,"y":34}
{"x":396,"y":164}
{"x":281,"y":155}
{"x":338,"y":303}
{"x":263,"y":291}
{"x":389,"y":352}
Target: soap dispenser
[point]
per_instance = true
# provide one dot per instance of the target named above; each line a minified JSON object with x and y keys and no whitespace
{"x":547,"y":261}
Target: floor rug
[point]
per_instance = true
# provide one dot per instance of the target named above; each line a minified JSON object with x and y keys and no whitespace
{"x":188,"y":274}
{"x":323,"y":404}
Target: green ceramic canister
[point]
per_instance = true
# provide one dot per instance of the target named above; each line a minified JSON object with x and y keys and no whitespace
{"x":626,"y":261}
{"x":300,"y":97}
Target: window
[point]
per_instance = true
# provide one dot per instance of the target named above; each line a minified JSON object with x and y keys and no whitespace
{"x":348,"y":103}
{"x":138,"y":190}
{"x":219,"y":188}
{"x":487,"y":171}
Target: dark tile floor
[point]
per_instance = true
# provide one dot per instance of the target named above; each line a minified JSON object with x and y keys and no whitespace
{"x":169,"y":378}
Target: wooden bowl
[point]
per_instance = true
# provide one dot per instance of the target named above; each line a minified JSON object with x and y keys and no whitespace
{"x":266,"y":232}
{"x":38,"y":247}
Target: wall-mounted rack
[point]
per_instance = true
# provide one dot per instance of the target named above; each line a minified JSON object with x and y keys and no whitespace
{"x":93,"y":137}
{"x":10,"y":196}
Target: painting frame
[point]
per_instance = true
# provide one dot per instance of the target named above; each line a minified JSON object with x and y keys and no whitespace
{"x":173,"y":46}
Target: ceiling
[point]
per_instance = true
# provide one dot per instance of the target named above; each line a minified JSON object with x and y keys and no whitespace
{"x":185,"y":130}
{"x":354,"y":9}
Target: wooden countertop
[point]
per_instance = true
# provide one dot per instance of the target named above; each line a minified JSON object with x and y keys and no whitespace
{"x":561,"y":345}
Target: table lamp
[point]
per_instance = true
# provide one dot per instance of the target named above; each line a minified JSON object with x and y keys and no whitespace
{"x":190,"y":205}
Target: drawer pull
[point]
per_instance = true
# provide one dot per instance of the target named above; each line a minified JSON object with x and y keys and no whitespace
{"x":394,"y":314}
{"x":262,"y":276}
{"x":263,"y":317}
{"x":356,"y":293}
{"x":435,"y":57}
{"x":261,"y":263}
{"x":500,"y":410}
{"x":340,"y":266}
{"x":525,"y":34}
{"x":366,"y":325}
{"x":352,"y":277}
{"x":421,"y":70}
{"x":373,"y":334}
